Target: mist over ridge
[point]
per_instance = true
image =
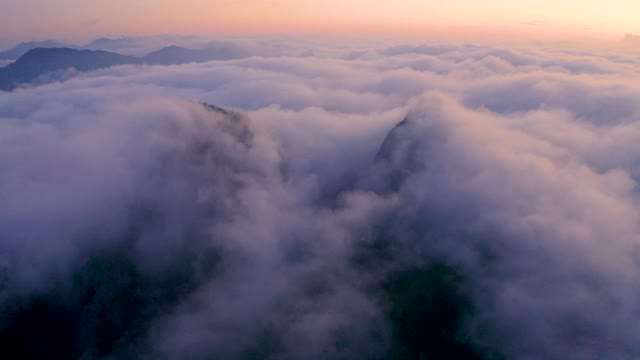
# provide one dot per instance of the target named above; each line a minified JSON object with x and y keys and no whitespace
{"x":317,"y":200}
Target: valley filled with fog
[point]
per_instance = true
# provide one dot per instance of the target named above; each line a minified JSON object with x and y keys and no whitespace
{"x":302,"y":198}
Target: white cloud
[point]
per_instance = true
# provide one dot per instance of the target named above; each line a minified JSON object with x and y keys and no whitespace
{"x":518,"y":167}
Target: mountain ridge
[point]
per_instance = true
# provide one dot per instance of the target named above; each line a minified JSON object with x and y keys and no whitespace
{"x":22,"y":48}
{"x":37,"y":62}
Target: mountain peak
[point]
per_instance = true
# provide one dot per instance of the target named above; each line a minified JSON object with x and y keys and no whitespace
{"x":24,"y":47}
{"x":36,"y":62}
{"x":39,"y":61}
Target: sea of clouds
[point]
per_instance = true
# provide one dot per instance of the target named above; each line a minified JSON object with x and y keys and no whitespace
{"x":195,"y":232}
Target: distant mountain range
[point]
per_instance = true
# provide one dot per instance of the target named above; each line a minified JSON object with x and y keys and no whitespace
{"x":173,"y":55}
{"x":40,"y":61}
{"x":36,"y":63}
{"x":97,"y":44}
{"x":632,"y":39}
{"x":22,"y":48}
{"x":111,"y":44}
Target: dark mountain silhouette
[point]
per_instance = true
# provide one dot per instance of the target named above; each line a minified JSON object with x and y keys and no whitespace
{"x":391,"y":140}
{"x":173,"y":55}
{"x":41,"y":61}
{"x":36,"y":64}
{"x":22,"y":48}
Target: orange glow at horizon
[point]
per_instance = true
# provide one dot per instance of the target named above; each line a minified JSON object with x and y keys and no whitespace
{"x":136,"y":17}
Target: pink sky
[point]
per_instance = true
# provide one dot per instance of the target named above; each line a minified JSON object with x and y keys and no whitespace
{"x":82,"y":19}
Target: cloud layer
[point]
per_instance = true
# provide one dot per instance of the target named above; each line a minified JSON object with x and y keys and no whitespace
{"x":307,"y":225}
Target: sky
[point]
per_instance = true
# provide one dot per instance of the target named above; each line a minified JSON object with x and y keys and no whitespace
{"x":81,"y":20}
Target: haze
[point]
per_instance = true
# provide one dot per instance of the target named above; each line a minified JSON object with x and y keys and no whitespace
{"x":81,"y":20}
